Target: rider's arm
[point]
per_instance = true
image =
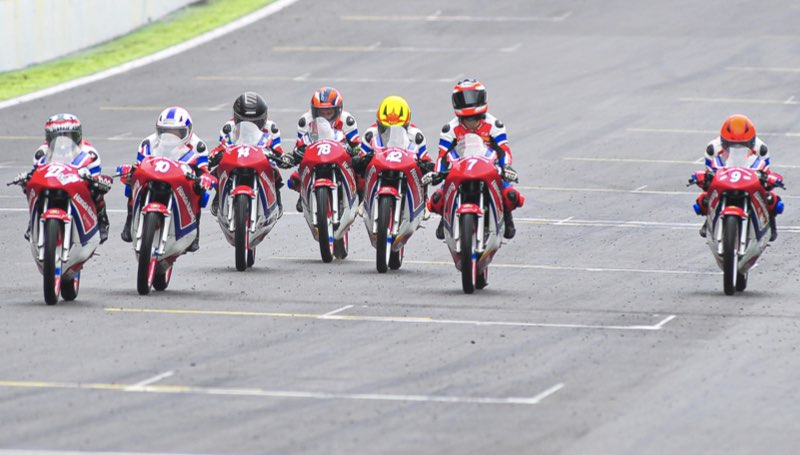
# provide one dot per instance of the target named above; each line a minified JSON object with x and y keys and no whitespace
{"x":499,"y":142}
{"x":275,"y":136}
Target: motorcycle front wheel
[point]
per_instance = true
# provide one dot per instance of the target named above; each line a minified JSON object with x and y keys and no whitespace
{"x":468,"y":263}
{"x":52,"y":241}
{"x":324,"y":224}
{"x":730,"y":253}
{"x":241,"y":216}
{"x":384,"y":228}
{"x":144,"y":277}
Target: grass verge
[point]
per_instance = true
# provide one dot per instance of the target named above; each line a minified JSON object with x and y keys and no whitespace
{"x":175,"y":28}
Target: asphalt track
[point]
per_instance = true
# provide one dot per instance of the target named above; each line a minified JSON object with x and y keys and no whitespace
{"x":603,"y":330}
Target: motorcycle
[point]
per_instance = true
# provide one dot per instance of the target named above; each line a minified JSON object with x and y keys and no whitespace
{"x":327,"y":190}
{"x":167,"y":199}
{"x":737,"y":220}
{"x":394,"y":198}
{"x":64,"y":226}
{"x":248,"y":206}
{"x":473,"y":211}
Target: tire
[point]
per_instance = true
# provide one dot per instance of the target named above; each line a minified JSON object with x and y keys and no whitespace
{"x":385,"y":220}
{"x":483,"y":279}
{"x":730,"y":256}
{"x":324,"y":225}
{"x":152,"y":221}
{"x":467,"y":239}
{"x":52,"y":233}
{"x":241,"y":216}
{"x":396,"y":259}
{"x":69,"y":289}
{"x":741,"y":282}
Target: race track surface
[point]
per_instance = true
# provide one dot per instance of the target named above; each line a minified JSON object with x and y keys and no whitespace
{"x":604,"y":328}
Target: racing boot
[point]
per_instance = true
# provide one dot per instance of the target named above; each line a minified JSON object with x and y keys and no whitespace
{"x":440,"y":230}
{"x":126,"y":230}
{"x":510,"y":230}
{"x":773,"y":228}
{"x":102,"y":218}
{"x":703,"y":230}
{"x":299,"y":205}
{"x":214,"y":204}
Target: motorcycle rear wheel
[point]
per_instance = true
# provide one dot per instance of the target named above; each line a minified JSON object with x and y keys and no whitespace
{"x":483,"y":279}
{"x":52,"y":234}
{"x":741,"y":282}
{"x":384,"y":227}
{"x":251,"y":257}
{"x":324,"y":224}
{"x":160,"y":281}
{"x":241,"y":215}
{"x":69,"y":289}
{"x":396,"y":259}
{"x":730,"y":253}
{"x":468,"y":263}
{"x":152,"y":221}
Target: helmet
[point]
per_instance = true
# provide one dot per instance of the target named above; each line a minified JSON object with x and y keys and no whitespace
{"x":326,"y":98}
{"x":738,"y":130}
{"x":393,"y":111}
{"x":63,"y":125}
{"x":175,"y":120}
{"x":250,"y":107}
{"x":469,"y":98}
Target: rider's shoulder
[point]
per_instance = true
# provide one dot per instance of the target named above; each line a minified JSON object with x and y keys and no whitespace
{"x":714,"y":147}
{"x":305,"y":120}
{"x":760,"y":147}
{"x":450,"y":126}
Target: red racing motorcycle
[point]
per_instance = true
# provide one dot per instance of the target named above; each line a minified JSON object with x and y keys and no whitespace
{"x":737,"y":220}
{"x":64,"y":228}
{"x":328,"y":190}
{"x":248,"y":206}
{"x":394,"y":198}
{"x":473,"y":211}
{"x":167,"y":199}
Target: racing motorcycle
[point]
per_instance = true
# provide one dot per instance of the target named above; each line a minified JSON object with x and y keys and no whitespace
{"x":737,"y":220}
{"x":473,"y":210}
{"x":248,"y":206}
{"x":64,"y":225}
{"x":327,"y":190}
{"x":394,"y":198}
{"x":167,"y":198}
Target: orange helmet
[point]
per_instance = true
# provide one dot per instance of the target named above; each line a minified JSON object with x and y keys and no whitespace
{"x":326,"y":98}
{"x":469,"y":98}
{"x":738,"y":130}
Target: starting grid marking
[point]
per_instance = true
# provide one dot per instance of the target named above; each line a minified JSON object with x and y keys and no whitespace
{"x":437,"y":17}
{"x":376,"y":47}
{"x":265,"y":393}
{"x":337,"y":316}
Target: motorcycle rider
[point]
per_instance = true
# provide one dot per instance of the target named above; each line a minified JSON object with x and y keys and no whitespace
{"x":738,"y":131}
{"x":472,"y":116}
{"x":250,"y":107}
{"x":88,"y":161}
{"x":393,"y":111}
{"x":327,"y":103}
{"x":173,"y":120}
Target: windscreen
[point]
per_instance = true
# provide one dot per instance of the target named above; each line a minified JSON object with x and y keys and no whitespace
{"x":169,"y":146}
{"x":62,"y":150}
{"x":248,"y":133}
{"x":739,"y":156}
{"x":471,"y":145}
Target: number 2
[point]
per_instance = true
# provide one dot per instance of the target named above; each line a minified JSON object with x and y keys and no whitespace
{"x":394,"y":157}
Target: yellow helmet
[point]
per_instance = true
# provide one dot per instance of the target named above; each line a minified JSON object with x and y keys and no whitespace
{"x":394,"y":111}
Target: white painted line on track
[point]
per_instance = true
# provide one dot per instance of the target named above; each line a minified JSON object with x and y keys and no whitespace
{"x":712,"y":133}
{"x":336,"y":311}
{"x":522,"y":266}
{"x":764,"y":69}
{"x":437,"y":17}
{"x":244,"y":21}
{"x":332,"y":80}
{"x":665,"y":321}
{"x":373,"y":48}
{"x":648,"y":161}
{"x":789,"y":101}
{"x":264,"y":393}
{"x":149,"y":381}
{"x":390,"y":319}
{"x":74,"y":452}
{"x":640,"y":188}
{"x":603,"y":190}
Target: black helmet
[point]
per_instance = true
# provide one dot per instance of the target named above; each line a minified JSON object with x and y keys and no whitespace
{"x":250,"y":107}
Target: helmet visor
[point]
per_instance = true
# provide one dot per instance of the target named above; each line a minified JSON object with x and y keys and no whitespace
{"x":469,"y":98}
{"x":182,"y":132}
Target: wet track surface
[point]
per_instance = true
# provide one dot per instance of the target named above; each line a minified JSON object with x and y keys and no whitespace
{"x":604,"y":328}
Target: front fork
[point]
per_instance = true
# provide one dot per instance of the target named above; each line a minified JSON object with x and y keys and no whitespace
{"x":253,"y":206}
{"x":334,"y":200}
{"x":480,"y":228}
{"x":743,"y":228}
{"x":398,"y":209}
{"x":66,"y":240}
{"x":162,"y":243}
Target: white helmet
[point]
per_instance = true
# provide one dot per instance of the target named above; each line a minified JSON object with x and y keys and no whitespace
{"x":175,"y":120}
